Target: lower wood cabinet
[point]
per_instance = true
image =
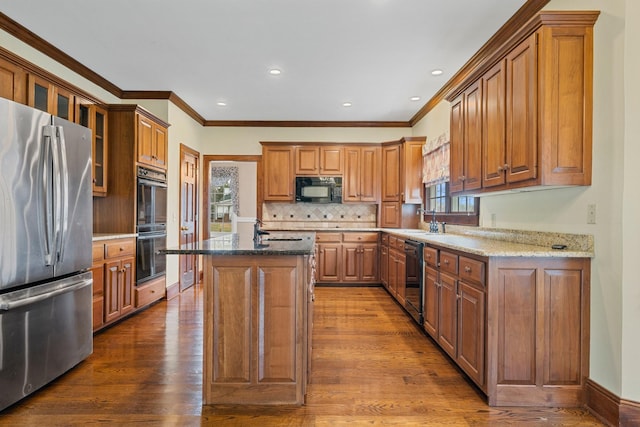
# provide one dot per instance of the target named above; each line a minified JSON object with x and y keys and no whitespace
{"x":115,"y":294}
{"x":397,"y":269}
{"x":347,"y":257}
{"x":256,"y":317}
{"x":533,"y":350}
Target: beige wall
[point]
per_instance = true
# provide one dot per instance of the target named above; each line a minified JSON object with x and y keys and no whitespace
{"x":615,"y":304}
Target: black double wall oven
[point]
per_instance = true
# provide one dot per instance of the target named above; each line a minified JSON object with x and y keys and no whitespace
{"x":151,"y":224}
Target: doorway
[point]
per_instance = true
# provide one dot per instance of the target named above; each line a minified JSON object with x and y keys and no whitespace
{"x":189,"y":160}
{"x":231,"y":194}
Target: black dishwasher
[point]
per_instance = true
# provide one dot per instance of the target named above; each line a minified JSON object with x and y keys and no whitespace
{"x":413,"y":277}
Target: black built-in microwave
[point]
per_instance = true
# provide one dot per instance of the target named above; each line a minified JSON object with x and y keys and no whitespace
{"x":319,"y":189}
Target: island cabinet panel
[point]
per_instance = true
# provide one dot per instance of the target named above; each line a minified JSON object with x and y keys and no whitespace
{"x":232,"y":324}
{"x":255,"y":329}
{"x":538,"y":335}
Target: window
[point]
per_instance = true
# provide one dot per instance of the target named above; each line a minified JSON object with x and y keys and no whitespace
{"x":463,"y":210}
{"x":223,"y":197}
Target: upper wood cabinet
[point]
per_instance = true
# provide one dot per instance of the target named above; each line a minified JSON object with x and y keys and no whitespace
{"x":95,"y":118}
{"x":152,"y":143}
{"x":319,"y":160}
{"x":391,"y":158}
{"x":279,"y":174}
{"x":361,"y":174}
{"x":45,"y":96}
{"x":524,"y":117}
{"x":411,"y":172}
{"x":13,"y":82}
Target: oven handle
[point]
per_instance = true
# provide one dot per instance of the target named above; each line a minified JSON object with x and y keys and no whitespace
{"x":151,"y":183}
{"x":145,"y":236}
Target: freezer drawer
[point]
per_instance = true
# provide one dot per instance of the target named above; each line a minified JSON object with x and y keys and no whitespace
{"x":44,"y":331}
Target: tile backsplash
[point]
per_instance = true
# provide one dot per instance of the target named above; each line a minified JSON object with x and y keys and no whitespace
{"x":309,"y":215}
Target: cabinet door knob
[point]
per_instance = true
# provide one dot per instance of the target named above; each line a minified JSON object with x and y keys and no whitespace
{"x":467,"y":269}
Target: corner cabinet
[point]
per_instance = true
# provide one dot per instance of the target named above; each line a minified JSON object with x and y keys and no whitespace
{"x":524,"y":117}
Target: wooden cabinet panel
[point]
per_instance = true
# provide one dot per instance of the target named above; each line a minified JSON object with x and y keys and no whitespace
{"x":391,"y":160}
{"x":150,"y":292}
{"x":151,"y":143}
{"x":471,"y":324}
{"x":45,"y":96}
{"x":329,"y":259}
{"x":319,"y":160}
{"x":456,"y":163}
{"x":473,"y":137}
{"x":521,"y":113}
{"x":390,"y":214}
{"x":115,"y":274}
{"x":350,"y":257}
{"x":447,"y":307}
{"x":384,"y":265}
{"x":361,"y":174}
{"x":412,"y":171}
{"x":13,"y":82}
{"x":278,"y":173}
{"x":431,"y":302}
{"x":494,"y":126}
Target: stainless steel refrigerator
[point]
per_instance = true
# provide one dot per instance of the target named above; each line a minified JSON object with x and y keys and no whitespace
{"x":45,"y":249}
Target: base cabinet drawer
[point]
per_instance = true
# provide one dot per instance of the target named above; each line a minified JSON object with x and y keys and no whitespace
{"x":150,"y":292}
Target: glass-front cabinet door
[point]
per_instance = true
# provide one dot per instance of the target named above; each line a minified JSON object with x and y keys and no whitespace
{"x":95,"y":118}
{"x":45,"y":96}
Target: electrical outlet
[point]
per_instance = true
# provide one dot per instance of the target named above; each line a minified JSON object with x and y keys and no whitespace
{"x":591,"y":214}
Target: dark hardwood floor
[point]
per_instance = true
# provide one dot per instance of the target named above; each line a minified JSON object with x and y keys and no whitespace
{"x":371,"y":366}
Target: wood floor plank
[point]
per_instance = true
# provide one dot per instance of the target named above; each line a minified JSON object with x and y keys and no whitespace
{"x":371,"y":365}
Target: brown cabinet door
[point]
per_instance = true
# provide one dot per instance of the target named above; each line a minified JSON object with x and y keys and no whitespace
{"x":351,"y":261}
{"x":390,"y":215}
{"x":384,"y":265}
{"x":13,"y":82}
{"x":278,"y":173}
{"x":431,"y":291}
{"x":393,"y":272}
{"x":471,"y":324}
{"x":112,"y":290}
{"x":145,"y":141}
{"x":40,"y":94}
{"x":447,"y":323}
{"x":330,"y":257}
{"x":494,"y":126}
{"x":369,"y":174}
{"x":391,"y":173}
{"x":160,"y":147}
{"x":412,"y":171}
{"x":127,"y":282}
{"x":456,"y":163}
{"x":98,"y":295}
{"x":307,"y":161}
{"x":369,"y":263}
{"x":401,"y":281}
{"x":331,"y":160}
{"x":521,"y":107}
{"x":98,"y":125}
{"x":473,"y":137}
{"x":352,"y":175}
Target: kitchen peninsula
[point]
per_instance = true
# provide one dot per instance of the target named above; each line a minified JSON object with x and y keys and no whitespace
{"x":258,"y":311}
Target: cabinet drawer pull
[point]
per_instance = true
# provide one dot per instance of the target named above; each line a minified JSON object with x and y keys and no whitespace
{"x":446,"y":261}
{"x":467,"y":269}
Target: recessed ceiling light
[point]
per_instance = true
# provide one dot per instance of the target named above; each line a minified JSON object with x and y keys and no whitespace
{"x":347,"y":104}
{"x":436,"y":72}
{"x":415,"y":98}
{"x":221,"y":104}
{"x":275,"y":72}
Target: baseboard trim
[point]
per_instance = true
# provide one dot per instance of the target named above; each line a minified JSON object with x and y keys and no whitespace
{"x":609,"y":408}
{"x":173,"y":290}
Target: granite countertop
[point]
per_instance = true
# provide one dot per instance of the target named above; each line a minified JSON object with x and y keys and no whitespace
{"x":493,"y":242}
{"x":280,"y":243}
{"x":109,"y":236}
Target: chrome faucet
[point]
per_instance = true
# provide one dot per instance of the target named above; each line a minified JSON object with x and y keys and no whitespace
{"x":257,"y":233}
{"x":433,"y":225}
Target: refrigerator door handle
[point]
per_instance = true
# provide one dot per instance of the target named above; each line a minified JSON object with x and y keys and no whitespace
{"x":63,"y":207}
{"x":48,"y":133}
{"x":9,"y":302}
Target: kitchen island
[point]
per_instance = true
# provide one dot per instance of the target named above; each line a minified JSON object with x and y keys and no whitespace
{"x":257,"y":317}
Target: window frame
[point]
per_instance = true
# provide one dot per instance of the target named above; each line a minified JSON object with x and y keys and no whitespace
{"x":454,"y":218}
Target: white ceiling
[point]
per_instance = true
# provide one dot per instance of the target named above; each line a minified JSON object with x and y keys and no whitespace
{"x":375,"y":54}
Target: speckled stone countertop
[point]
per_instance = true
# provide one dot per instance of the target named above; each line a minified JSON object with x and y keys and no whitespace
{"x":495,"y":242}
{"x":109,"y":236}
{"x":280,"y":243}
